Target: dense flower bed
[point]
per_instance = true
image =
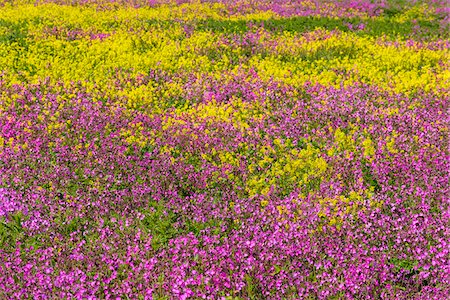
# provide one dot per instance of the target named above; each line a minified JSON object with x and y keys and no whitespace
{"x":239,"y":149}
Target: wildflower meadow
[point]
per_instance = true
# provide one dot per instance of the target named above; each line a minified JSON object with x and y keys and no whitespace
{"x":224,"y":149}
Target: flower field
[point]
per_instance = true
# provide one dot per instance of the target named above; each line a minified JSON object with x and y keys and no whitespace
{"x":227,"y":149}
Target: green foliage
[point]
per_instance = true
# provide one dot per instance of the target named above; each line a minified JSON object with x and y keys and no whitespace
{"x":369,"y":178}
{"x":383,"y":26}
{"x":11,"y":231}
{"x":404,"y":264}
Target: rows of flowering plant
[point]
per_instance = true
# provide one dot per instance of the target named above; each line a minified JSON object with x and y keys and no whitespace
{"x":239,"y":149}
